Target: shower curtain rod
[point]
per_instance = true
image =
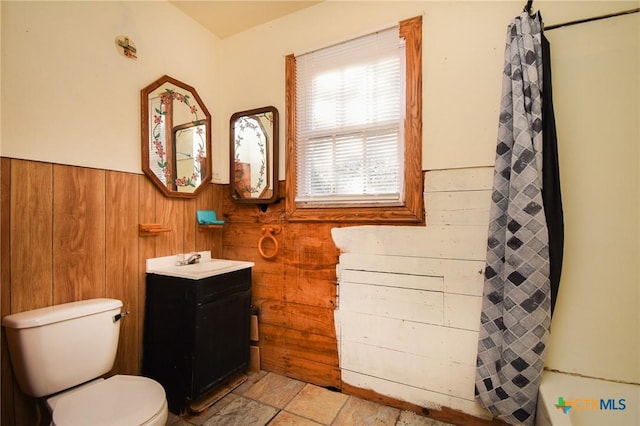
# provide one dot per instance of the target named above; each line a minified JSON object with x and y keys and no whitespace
{"x":595,"y":18}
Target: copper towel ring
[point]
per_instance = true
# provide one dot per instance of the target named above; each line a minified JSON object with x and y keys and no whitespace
{"x":267,"y":233}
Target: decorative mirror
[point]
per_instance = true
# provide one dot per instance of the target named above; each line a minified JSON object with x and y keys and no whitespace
{"x":176,"y":137}
{"x":254,"y":156}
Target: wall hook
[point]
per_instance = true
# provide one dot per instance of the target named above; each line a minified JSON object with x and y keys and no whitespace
{"x":126,"y":47}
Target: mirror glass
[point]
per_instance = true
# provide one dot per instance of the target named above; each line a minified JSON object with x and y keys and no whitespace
{"x":254,"y":156}
{"x":176,"y":138}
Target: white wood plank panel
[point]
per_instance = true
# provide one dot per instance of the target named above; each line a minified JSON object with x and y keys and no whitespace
{"x":460,"y":276}
{"x":462,"y":311}
{"x":464,"y":277}
{"x":410,"y":297}
{"x":392,"y":279}
{"x":393,"y":264}
{"x":461,"y":346}
{"x":414,"y":395}
{"x":472,"y":178}
{"x":440,"y":242}
{"x":458,"y":208}
{"x":390,"y":302}
{"x":414,"y":370}
{"x":426,"y":340}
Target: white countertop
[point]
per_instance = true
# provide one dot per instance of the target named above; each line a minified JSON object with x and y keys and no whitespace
{"x":207,"y":267}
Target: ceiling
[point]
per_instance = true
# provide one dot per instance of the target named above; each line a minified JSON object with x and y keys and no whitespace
{"x":225,"y":18}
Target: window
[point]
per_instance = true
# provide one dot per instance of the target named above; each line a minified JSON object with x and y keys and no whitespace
{"x":348,"y":122}
{"x":354,"y":129}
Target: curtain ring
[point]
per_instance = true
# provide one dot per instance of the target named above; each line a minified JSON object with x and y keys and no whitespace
{"x":267,"y":233}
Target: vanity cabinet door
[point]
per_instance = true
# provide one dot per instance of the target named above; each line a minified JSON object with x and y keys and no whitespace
{"x":221,"y":341}
{"x":168,"y":336}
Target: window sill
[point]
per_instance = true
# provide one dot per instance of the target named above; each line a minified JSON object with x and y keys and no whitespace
{"x":370,"y":215}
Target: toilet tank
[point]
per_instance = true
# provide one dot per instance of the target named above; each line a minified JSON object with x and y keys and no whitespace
{"x":61,"y":346}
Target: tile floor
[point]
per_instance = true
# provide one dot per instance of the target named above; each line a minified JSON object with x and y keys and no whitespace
{"x":275,"y":400}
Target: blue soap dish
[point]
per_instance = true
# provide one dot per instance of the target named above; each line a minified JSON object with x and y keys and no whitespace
{"x":208,"y":217}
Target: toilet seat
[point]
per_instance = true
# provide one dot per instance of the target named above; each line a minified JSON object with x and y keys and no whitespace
{"x":118,"y":400}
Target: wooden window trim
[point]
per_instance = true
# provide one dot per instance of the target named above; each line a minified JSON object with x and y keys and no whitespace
{"x":413,"y":209}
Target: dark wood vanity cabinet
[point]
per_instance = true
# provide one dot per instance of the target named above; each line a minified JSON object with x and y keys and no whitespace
{"x":196,"y":333}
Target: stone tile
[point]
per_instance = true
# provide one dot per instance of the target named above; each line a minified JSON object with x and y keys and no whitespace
{"x":357,"y":411}
{"x":252,"y":379}
{"x":275,"y":390}
{"x":201,"y":418}
{"x":303,"y":405}
{"x":316,"y":403}
{"x":240,"y":411}
{"x":174,"y":420}
{"x":408,"y":418}
{"x":285,"y":418}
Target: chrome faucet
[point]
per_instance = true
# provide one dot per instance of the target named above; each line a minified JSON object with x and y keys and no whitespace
{"x":192,"y":259}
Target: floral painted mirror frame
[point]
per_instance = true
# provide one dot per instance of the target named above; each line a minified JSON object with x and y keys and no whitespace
{"x":254,"y":156}
{"x":176,"y":138}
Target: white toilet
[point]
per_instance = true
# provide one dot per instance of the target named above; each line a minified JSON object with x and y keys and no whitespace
{"x":62,"y":351}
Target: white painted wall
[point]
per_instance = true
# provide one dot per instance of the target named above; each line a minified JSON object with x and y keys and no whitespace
{"x":596,"y":70}
{"x":69,"y":97}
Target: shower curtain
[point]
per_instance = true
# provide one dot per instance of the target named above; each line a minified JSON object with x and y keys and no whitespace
{"x":516,"y":307}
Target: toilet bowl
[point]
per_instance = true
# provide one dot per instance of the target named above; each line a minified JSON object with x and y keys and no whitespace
{"x":117,"y":401}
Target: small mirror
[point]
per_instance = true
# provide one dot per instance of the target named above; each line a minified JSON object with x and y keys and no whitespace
{"x":254,"y":156}
{"x":176,"y":138}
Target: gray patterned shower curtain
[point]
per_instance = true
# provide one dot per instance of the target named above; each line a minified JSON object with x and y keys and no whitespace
{"x":516,"y":308}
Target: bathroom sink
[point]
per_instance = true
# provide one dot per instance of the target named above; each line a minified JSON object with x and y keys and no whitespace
{"x":207,"y":267}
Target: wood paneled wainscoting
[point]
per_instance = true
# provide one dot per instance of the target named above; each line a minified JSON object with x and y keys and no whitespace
{"x":70,"y":233}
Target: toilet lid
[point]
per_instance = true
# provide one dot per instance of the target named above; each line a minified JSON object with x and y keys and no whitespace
{"x":119,"y":400}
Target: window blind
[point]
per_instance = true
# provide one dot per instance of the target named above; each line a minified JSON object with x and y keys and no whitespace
{"x":349,"y":115}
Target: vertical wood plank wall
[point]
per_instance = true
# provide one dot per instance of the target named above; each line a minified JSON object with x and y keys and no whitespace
{"x":70,"y":233}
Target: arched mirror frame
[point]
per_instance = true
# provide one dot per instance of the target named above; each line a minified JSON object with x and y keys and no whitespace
{"x":271,"y":154}
{"x":147,"y":126}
